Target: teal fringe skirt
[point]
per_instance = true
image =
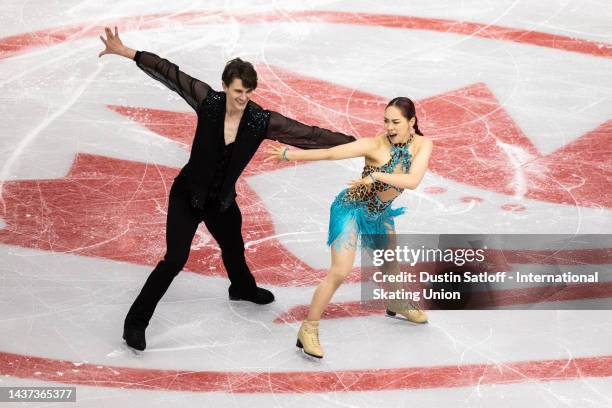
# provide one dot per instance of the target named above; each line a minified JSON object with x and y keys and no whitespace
{"x":349,"y":219}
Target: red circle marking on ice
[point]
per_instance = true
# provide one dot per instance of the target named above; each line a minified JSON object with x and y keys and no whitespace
{"x":304,"y":381}
{"x":17,"y":43}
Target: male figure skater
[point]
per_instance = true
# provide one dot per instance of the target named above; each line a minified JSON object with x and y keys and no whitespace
{"x":230,"y":129}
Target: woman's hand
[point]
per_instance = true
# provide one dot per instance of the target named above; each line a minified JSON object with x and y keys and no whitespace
{"x":277,"y":152}
{"x":113,"y":44}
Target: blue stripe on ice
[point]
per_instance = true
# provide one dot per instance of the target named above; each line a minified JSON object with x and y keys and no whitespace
{"x":348,"y":217}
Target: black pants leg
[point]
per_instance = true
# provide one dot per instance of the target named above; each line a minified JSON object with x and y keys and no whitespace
{"x":226,"y":228}
{"x":182,"y":223}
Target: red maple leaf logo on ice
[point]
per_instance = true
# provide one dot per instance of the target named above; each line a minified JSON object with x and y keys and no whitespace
{"x":116,"y":209}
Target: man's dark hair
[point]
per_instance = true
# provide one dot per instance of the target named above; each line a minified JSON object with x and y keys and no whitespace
{"x":242,"y":70}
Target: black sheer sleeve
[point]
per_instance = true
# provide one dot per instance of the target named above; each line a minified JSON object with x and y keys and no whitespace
{"x":192,"y":90}
{"x":294,"y":133}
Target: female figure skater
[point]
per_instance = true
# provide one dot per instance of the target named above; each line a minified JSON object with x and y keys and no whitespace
{"x":396,"y":159}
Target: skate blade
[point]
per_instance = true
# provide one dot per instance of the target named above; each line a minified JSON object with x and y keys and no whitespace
{"x":309,"y":357}
{"x":131,"y":350}
{"x":405,"y":319}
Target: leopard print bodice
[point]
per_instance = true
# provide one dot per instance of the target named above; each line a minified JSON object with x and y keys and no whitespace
{"x":370,"y":194}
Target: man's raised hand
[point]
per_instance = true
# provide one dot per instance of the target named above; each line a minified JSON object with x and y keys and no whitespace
{"x":113,"y":43}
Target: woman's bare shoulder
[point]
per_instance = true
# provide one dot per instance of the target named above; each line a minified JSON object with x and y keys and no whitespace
{"x":380,"y":139}
{"x":372,"y":142}
{"x":422,"y":141}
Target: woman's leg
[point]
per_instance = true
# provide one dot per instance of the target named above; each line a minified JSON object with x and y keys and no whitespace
{"x":342,"y":259}
{"x":406,"y":308}
{"x":342,"y":264}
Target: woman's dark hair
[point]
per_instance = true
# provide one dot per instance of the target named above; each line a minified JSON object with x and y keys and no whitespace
{"x":406,"y":106}
{"x":242,"y":70}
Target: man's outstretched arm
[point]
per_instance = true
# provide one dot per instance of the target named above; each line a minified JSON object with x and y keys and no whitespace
{"x":192,"y":90}
{"x":294,"y":133}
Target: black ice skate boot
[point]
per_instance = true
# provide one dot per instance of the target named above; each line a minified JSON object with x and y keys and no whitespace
{"x":134,"y":335}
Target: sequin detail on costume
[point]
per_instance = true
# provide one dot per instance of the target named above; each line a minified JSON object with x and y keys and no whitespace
{"x":259,"y":120}
{"x":214,"y":105}
{"x":400,"y":154}
{"x":350,"y":222}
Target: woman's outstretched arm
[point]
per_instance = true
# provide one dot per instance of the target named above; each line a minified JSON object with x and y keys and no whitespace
{"x":358,"y":148}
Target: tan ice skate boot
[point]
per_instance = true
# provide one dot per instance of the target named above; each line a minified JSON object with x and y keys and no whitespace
{"x":308,"y":339}
{"x":412,"y":313}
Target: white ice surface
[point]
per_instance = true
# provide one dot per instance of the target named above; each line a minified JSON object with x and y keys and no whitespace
{"x":53,"y":106}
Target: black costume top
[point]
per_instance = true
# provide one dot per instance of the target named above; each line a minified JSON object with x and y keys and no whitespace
{"x":255,"y":125}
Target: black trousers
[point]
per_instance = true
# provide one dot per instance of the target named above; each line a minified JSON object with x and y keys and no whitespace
{"x":181,"y":225}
